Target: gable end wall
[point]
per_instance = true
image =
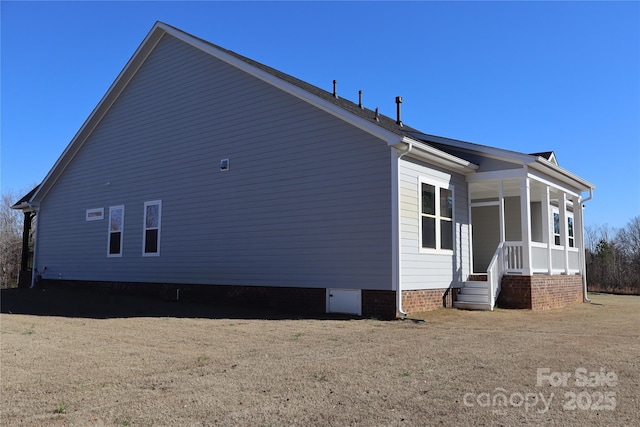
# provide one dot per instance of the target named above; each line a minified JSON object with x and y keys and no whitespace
{"x":306,"y":201}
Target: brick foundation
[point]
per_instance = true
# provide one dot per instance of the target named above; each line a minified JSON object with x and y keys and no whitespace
{"x":540,"y":292}
{"x":308,"y":301}
{"x":379,"y":304}
{"x":427,"y":299}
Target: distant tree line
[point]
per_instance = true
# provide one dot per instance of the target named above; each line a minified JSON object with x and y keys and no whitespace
{"x":613,"y":258}
{"x":10,"y":241}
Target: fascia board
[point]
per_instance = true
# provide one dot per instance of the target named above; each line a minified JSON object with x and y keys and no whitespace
{"x":116,"y":88}
{"x":433,"y":155}
{"x":498,"y":175}
{"x":552,"y":182}
{"x":485,"y":150}
{"x":292,"y":89}
{"x":544,"y":166}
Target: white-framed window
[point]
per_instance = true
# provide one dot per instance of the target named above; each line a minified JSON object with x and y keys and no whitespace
{"x":556,"y":229}
{"x":436,"y":216}
{"x":152,"y":221}
{"x":94,"y":214}
{"x":557,"y":238}
{"x":116,"y":229}
{"x":572,"y":242}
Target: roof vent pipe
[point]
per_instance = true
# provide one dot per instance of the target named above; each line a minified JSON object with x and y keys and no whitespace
{"x":360,"y":100}
{"x":398,"y":102}
{"x":377,"y":116}
{"x":335,"y":89}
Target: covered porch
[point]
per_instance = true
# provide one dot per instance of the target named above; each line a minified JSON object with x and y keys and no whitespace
{"x":537,"y":225}
{"x":523,"y":224}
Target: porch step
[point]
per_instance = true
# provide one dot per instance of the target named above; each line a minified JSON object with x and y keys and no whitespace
{"x":474,"y":295}
{"x":471,"y":305}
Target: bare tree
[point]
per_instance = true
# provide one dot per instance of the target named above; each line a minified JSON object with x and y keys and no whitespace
{"x":613,"y":258}
{"x":10,"y":240}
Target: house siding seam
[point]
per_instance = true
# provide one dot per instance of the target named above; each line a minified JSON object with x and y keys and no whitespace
{"x":299,"y":207}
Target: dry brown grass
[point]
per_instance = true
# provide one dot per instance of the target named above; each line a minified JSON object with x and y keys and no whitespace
{"x":233,"y":371}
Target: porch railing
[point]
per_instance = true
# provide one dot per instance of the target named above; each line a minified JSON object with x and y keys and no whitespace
{"x":540,"y":259}
{"x":495,"y":271}
{"x":508,"y":258}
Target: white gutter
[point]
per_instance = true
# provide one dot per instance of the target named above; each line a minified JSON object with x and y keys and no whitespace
{"x":399,"y":237}
{"x":582,"y":252}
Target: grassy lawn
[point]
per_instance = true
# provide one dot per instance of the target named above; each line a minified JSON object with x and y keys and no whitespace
{"x":125,"y":361}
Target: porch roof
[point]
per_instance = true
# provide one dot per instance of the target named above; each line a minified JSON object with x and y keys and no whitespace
{"x":544,"y":163}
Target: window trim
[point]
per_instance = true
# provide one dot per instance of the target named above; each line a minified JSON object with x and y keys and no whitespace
{"x":95,"y":214}
{"x":121,"y":231}
{"x":145,"y":228}
{"x":570,"y":238}
{"x":438,"y":217}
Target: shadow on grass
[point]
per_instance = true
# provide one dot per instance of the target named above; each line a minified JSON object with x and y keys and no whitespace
{"x":105,"y":305}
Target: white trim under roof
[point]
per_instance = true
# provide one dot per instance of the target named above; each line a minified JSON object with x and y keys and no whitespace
{"x":425,"y":152}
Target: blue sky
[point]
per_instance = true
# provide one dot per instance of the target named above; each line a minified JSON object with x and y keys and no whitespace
{"x":525,"y":76}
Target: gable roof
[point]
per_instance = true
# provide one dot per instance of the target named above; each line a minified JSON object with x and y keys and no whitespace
{"x":366,"y":119}
{"x":548,"y":155}
{"x":543,"y":162}
{"x":23,"y":203}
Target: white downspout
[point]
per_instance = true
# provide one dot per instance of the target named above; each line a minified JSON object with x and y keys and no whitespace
{"x":399,"y":237}
{"x":583,"y":249}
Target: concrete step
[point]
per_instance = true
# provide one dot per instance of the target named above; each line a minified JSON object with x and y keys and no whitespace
{"x":473,"y":298}
{"x":474,"y":291}
{"x":471,"y":305}
{"x":475,"y":284}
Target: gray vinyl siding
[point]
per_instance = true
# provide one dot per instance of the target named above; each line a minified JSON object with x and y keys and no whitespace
{"x":306,"y":201}
{"x":429,"y":270}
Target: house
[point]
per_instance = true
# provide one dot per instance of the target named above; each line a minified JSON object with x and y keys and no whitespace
{"x":203,"y":172}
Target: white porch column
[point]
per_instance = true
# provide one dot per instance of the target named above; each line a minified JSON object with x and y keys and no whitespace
{"x":525,"y":209}
{"x":564,"y":232}
{"x":546,"y":226}
{"x":501,"y":212}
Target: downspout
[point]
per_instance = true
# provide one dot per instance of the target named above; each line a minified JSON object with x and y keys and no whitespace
{"x":582,"y":252}
{"x":401,"y":154}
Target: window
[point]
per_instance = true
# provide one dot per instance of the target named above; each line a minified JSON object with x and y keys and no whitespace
{"x":556,"y":228}
{"x":94,"y":214}
{"x":152,"y":218}
{"x":116,"y":227}
{"x":570,"y":231}
{"x":557,"y":240}
{"x":436,"y":217}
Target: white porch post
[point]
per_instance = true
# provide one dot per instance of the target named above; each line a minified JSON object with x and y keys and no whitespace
{"x":546,"y":226}
{"x":564,"y":233}
{"x":501,"y":212}
{"x":525,"y":208}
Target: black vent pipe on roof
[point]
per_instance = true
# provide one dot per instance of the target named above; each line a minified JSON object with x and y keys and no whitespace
{"x":377,"y":116}
{"x":360,"y":100}
{"x":398,"y":102}
{"x":335,"y":89}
